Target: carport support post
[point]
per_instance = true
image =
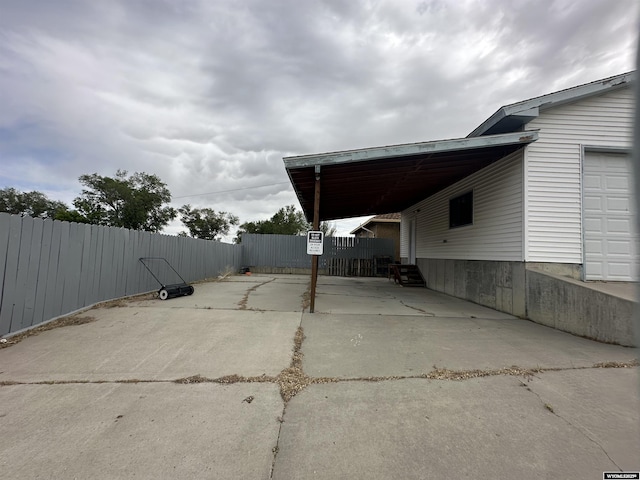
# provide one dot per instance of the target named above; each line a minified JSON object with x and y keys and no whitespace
{"x":316,"y":226}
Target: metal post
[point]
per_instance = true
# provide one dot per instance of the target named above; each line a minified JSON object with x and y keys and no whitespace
{"x":316,"y":226}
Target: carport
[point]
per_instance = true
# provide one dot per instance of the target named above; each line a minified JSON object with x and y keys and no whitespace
{"x":378,"y":180}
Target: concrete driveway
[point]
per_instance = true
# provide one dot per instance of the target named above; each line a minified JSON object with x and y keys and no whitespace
{"x":382,"y":382}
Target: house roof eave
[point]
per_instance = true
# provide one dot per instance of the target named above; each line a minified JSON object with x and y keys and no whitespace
{"x":514,"y":116}
{"x":389,"y":179}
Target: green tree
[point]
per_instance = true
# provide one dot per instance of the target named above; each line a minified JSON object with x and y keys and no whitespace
{"x":34,"y":204}
{"x":286,"y":221}
{"x":328,"y":228}
{"x":205,"y":222}
{"x":136,"y":202}
{"x":67,"y":215}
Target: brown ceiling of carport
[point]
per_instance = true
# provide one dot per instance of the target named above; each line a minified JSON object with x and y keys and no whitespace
{"x":390,"y":179}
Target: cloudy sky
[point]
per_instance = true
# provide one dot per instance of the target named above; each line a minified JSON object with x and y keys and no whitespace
{"x":211,"y":94}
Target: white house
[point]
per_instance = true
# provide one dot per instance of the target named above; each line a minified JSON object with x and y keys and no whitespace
{"x":519,"y":216}
{"x":565,"y":199}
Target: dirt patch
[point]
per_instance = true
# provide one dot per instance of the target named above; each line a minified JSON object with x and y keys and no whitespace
{"x":227,"y":379}
{"x":239,"y":379}
{"x":117,"y":303}
{"x":243,"y":303}
{"x":296,"y":359}
{"x":61,"y":322}
{"x":123,"y":302}
{"x":230,"y":379}
{"x":446,"y":374}
{"x":631,"y":364}
{"x":193,"y":379}
{"x":293,"y":380}
{"x":306,"y":297}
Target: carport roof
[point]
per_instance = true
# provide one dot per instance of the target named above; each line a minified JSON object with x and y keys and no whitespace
{"x":389,"y":179}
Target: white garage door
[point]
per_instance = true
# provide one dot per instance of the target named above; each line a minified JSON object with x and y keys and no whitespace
{"x":610,"y":241}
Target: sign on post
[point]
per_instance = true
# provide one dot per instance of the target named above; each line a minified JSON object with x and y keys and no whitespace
{"x":315,"y":243}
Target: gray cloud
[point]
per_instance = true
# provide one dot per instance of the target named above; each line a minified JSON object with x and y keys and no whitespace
{"x":211,"y":95}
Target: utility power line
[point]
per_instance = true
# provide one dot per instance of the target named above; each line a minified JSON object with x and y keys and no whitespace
{"x":232,"y":190}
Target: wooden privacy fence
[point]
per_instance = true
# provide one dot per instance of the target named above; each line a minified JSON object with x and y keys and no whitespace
{"x":51,"y":268}
{"x":358,"y":267}
{"x":343,"y":256}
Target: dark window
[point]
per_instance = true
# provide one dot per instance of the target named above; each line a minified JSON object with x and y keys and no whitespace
{"x":461,"y":210}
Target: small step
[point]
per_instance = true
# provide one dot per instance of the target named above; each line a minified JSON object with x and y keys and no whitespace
{"x":406,"y":275}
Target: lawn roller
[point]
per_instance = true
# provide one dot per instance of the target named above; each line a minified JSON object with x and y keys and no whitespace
{"x":166,"y":290}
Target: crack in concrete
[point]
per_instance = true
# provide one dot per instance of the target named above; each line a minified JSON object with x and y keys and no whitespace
{"x":243,"y":303}
{"x":296,"y":362}
{"x":428,"y":314}
{"x":355,"y":296}
{"x":575,"y":427}
{"x":9,"y":383}
{"x":306,"y":300}
{"x":276,"y":449}
{"x":436,"y":374}
{"x":292,"y":380}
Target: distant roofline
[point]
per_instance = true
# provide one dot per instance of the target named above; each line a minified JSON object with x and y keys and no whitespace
{"x":513,"y":116}
{"x":364,"y":225}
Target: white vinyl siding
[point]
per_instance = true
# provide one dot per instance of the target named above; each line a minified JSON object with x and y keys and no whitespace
{"x":496,"y":232}
{"x":404,"y":233}
{"x":553,"y":194}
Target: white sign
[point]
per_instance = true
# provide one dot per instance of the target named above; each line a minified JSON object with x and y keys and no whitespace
{"x":315,"y":243}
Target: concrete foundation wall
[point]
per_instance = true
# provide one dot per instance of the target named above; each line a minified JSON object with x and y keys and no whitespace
{"x":571,"y":306}
{"x":570,"y":270}
{"x":548,"y":294}
{"x":498,"y":285}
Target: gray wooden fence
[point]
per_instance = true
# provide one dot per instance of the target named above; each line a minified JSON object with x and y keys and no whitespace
{"x":51,"y":268}
{"x":343,"y":256}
